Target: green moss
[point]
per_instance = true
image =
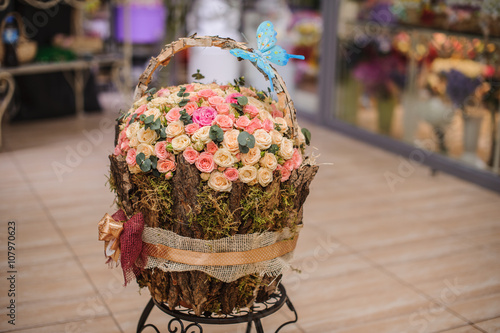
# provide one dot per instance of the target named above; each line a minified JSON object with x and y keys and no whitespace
{"x":246,"y":288}
{"x":155,"y":195}
{"x":213,"y":214}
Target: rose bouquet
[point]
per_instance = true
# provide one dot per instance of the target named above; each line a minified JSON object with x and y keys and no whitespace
{"x":210,"y":181}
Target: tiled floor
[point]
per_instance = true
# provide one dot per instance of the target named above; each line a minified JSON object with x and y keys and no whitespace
{"x":422,"y":256}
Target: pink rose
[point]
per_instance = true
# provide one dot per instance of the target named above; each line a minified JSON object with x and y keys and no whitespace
{"x":204,"y":116}
{"x":242,"y":122}
{"x":232,"y":98}
{"x":191,"y":128}
{"x":251,"y":110}
{"x":285,"y":174}
{"x":288,"y":165}
{"x":165,"y":166}
{"x":123,"y":134}
{"x":224,"y":87}
{"x":205,"y":162}
{"x":163,"y":92}
{"x":248,"y":92}
{"x":254,"y":125}
{"x":131,"y":157}
{"x":191,"y":107}
{"x":173,"y":115}
{"x":161,"y":150}
{"x":212,"y":147}
{"x":169,"y":175}
{"x":296,"y":159}
{"x":215,"y":100}
{"x":276,"y":113}
{"x":222,"y":108}
{"x":190,"y":155}
{"x":117,"y":151}
{"x":231,"y":174}
{"x":141,"y":109}
{"x":189,"y":88}
{"x":224,"y":122}
{"x":268,"y":125}
{"x":125,"y":144}
{"x":207,"y":93}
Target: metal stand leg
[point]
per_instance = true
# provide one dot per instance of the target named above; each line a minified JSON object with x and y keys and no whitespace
{"x":7,"y":85}
{"x":145,"y":315}
{"x":258,"y":326}
{"x":249,"y":327}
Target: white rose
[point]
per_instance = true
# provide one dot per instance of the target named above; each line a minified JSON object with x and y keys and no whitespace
{"x":134,"y":142}
{"x":282,"y":123}
{"x":146,"y":149}
{"x":262,"y":139}
{"x":269,"y":161}
{"x":286,"y":149}
{"x":223,"y":158}
{"x":219,"y":182}
{"x":252,"y":157}
{"x":141,"y":101}
{"x":264,"y":114}
{"x":247,"y":173}
{"x":231,"y":141}
{"x":132,"y":130}
{"x":147,"y":136}
{"x":153,"y":111}
{"x":174,"y":129}
{"x":255,"y":102}
{"x":157,"y":102}
{"x":276,"y":137}
{"x":134,"y":169}
{"x":180,"y":143}
{"x":264,"y":176}
{"x":173,"y":99}
{"x":202,"y":135}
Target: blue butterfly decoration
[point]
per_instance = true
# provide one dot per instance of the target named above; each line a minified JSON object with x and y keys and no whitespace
{"x":267,"y":51}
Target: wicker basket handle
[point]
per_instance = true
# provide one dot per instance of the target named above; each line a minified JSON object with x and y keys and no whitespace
{"x":284,"y":100}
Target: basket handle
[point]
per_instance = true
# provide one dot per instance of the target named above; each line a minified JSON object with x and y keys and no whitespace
{"x":284,"y":100}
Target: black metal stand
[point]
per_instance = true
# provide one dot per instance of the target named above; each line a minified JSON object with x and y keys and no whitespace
{"x":249,"y":316}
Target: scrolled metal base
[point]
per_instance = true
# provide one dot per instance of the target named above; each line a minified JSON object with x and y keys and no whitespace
{"x":251,"y":316}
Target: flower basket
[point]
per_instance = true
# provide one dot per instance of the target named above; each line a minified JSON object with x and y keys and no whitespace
{"x":211,"y":182}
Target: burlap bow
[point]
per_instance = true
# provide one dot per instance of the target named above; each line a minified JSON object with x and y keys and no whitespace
{"x":123,"y":239}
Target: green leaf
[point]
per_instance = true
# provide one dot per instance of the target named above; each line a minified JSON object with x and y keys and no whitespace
{"x":307,"y":135}
{"x":142,"y":117}
{"x":244,"y":149}
{"x":216,"y":134}
{"x":185,"y":95}
{"x":261,"y":95}
{"x":169,"y":147}
{"x":156,"y":125}
{"x":149,"y":98}
{"x":183,"y":102}
{"x":156,"y":173}
{"x":149,"y":119}
{"x":277,"y":127}
{"x":140,"y":158}
{"x":146,"y":165}
{"x":163,"y":134}
{"x":131,"y":120}
{"x":154,"y":161}
{"x":238,"y":108}
{"x":185,"y":117}
{"x":273,"y":149}
{"x":242,"y":100}
{"x":246,"y":139}
{"x":151,"y":91}
{"x":122,"y":116}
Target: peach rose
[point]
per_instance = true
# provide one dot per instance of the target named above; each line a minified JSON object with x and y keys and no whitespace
{"x":205,"y":162}
{"x":242,"y":122}
{"x":282,"y":124}
{"x":231,"y":174}
{"x":165,"y":166}
{"x":288,"y":165}
{"x":276,"y":113}
{"x":132,"y":129}
{"x":285,"y":174}
{"x":134,"y":142}
{"x":251,"y":110}
{"x":190,"y":155}
{"x":268,"y":125}
{"x":191,"y":128}
{"x":181,"y":142}
{"x":125,"y":145}
{"x":131,"y":154}
{"x":265,"y":115}
{"x":276,"y":137}
{"x":212,"y":147}
{"x":191,"y":107}
{"x":205,"y":176}
{"x":173,"y":115}
{"x":224,"y":158}
{"x":141,"y":109}
{"x":247,"y":174}
{"x":264,"y":176}
{"x":134,"y":169}
{"x":252,"y":157}
{"x":163,"y":92}
{"x":207,"y":93}
{"x":202,"y":135}
{"x":262,"y":139}
{"x":174,"y":129}
{"x":146,"y":149}
{"x":254,"y":125}
{"x":215,"y":100}
{"x":225,"y":122}
{"x":147,"y":136}
{"x":222,"y":108}
{"x":117,"y":151}
{"x":286,"y":149}
{"x":231,"y":141}
{"x":153,"y":111}
{"x":218,"y":182}
{"x":161,"y":150}
{"x":269,"y":161}
{"x":194,"y":98}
